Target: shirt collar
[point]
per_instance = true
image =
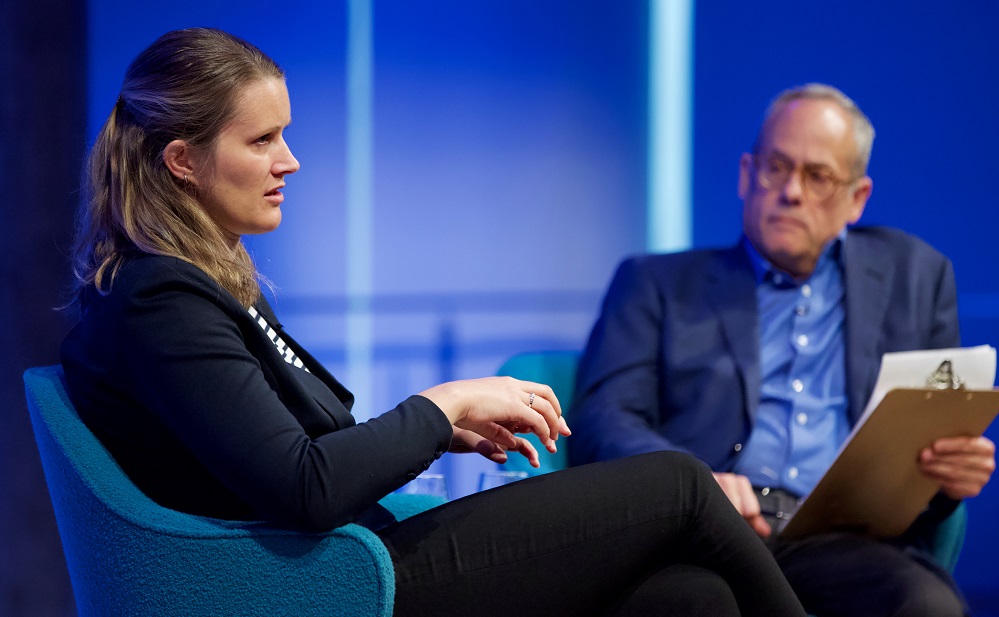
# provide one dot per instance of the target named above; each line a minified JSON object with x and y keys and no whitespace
{"x":763,"y":269}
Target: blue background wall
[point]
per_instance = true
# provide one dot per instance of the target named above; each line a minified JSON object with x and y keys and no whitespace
{"x":509,"y":157}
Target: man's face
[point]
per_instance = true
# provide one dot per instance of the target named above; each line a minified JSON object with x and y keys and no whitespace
{"x":787,"y":223}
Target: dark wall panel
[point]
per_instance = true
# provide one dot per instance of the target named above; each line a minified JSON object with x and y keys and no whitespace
{"x":42,"y":121}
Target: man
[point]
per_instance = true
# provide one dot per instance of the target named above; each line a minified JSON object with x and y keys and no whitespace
{"x":758,"y":359}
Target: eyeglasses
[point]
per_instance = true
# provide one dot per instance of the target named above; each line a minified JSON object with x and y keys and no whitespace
{"x":775,"y":172}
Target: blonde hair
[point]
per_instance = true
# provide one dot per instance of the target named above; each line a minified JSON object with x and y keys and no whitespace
{"x":186,"y":86}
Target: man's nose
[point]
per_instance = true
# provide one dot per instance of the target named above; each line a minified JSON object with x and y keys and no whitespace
{"x":793,"y":189}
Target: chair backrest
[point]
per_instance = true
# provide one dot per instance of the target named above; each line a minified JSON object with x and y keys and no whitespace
{"x":947,"y":542}
{"x":128,"y":555}
{"x":558,"y":370}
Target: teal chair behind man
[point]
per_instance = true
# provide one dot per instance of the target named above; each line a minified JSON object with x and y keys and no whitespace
{"x":128,"y":555}
{"x":558,"y":370}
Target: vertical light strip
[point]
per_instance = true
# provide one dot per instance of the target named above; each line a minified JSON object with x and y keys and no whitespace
{"x":359,"y":323}
{"x":671,"y":38}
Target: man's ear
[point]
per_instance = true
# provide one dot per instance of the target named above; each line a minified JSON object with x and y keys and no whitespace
{"x":178,"y":157}
{"x":745,"y":174}
{"x":861,"y":193}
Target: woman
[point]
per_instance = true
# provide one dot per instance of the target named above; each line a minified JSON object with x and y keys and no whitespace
{"x":181,"y":369}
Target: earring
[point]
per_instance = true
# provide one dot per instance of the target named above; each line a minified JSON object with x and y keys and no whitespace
{"x":186,"y":181}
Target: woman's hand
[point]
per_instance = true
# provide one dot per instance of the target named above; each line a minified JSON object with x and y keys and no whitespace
{"x":494,"y":449}
{"x":487,"y":412}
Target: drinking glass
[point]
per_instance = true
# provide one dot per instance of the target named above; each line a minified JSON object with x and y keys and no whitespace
{"x":426,"y":484}
{"x":492,"y":479}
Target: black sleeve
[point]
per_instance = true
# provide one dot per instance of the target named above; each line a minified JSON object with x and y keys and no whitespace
{"x":186,"y":360}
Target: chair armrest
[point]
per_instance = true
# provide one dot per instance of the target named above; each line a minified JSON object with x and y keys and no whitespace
{"x":403,"y":506}
{"x":949,"y":538}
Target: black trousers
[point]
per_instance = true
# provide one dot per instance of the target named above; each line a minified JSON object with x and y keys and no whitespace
{"x":644,"y":535}
{"x":849,"y":575}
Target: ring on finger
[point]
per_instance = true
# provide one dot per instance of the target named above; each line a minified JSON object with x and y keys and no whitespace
{"x":530,"y":401}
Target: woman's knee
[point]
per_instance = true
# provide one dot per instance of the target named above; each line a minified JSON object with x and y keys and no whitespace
{"x":682,"y":465}
{"x":677,"y":477}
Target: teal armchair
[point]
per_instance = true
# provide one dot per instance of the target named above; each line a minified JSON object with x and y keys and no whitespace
{"x":128,"y":555}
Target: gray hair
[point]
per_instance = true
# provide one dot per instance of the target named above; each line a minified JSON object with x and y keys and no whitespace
{"x":863,"y":130}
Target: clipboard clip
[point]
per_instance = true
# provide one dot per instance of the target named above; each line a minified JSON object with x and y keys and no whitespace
{"x":944,"y":378}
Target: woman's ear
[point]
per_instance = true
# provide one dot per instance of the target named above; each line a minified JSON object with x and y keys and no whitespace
{"x":178,"y":157}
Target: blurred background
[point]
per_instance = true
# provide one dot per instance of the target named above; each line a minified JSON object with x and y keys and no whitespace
{"x":472,"y":172}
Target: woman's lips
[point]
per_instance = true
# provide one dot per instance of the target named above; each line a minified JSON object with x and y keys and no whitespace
{"x":274,"y":197}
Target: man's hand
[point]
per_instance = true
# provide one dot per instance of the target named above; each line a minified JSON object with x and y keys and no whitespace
{"x":962,"y":465}
{"x":740,"y":492}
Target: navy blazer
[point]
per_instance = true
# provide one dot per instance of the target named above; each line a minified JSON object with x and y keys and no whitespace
{"x":200,"y":409}
{"x":673,"y":360}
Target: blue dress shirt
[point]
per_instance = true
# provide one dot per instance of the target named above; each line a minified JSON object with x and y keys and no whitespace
{"x":802,"y":418}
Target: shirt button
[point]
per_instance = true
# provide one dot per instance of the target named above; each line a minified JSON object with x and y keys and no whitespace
{"x":792,"y":473}
{"x":800,"y":310}
{"x":737,"y":447}
{"x":803,"y":340}
{"x":806,"y":290}
{"x":802,"y":418}
{"x":797,"y":385}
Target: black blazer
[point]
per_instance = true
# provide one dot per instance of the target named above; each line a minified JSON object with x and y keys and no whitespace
{"x":200,"y":409}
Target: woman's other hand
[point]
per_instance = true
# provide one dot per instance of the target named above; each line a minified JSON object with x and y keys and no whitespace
{"x":493,"y":448}
{"x":486,"y":414}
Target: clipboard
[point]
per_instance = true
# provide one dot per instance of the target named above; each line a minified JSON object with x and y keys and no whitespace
{"x":874,"y":486}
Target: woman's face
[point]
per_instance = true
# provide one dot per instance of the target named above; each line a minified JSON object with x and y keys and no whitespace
{"x":240,"y":185}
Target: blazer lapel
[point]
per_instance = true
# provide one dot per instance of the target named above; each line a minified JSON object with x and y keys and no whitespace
{"x":316,"y":370}
{"x":866,"y":278}
{"x":731,"y":290}
{"x":264,"y":308}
